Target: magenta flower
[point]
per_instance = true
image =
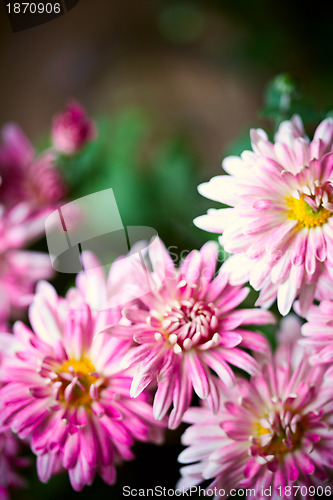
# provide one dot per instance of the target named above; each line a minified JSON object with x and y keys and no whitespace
{"x":72,"y":129}
{"x":10,"y":464}
{"x":19,"y":269}
{"x":25,"y":178}
{"x":318,"y":332}
{"x":273,"y":431}
{"x":66,"y":391}
{"x":280,"y":226}
{"x":187,"y":326}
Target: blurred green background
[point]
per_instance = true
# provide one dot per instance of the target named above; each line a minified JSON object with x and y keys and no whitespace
{"x":174,"y":86}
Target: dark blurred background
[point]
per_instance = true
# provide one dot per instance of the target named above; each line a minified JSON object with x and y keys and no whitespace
{"x":174,"y":85}
{"x":199,"y":66}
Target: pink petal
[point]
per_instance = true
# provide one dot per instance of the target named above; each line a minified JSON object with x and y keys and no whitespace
{"x":197,"y":374}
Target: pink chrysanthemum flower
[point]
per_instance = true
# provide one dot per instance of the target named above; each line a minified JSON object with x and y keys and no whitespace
{"x":318,"y":332}
{"x":188,"y":327}
{"x":273,"y":431}
{"x":25,"y":178}
{"x":10,"y":464}
{"x":19,"y":269}
{"x":280,"y":226}
{"x":72,"y":129}
{"x":65,"y":390}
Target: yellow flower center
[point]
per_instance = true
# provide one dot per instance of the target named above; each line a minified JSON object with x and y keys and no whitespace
{"x":260,"y":430}
{"x":277,"y":446}
{"x":83,"y":369}
{"x":301,"y":211}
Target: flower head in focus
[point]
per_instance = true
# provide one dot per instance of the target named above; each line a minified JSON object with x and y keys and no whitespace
{"x":280,"y":226}
{"x":187,"y":328}
{"x":72,"y":129}
{"x":272,"y":431}
{"x":65,"y":389}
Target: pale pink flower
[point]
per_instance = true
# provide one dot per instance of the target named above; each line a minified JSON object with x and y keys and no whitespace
{"x":10,"y":464}
{"x":187,"y":327}
{"x":66,"y":392}
{"x":273,"y":431}
{"x":72,"y":129}
{"x":19,"y":269}
{"x":318,"y":332}
{"x":280,"y":226}
{"x":25,"y":177}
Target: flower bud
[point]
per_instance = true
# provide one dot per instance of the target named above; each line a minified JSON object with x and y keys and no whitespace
{"x":72,"y":129}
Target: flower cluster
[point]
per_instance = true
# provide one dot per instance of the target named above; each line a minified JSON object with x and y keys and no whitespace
{"x":31,"y":187}
{"x":122,"y":356}
{"x":275,"y":431}
{"x":270,"y":431}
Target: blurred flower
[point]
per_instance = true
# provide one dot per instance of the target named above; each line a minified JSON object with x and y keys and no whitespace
{"x":19,"y":269}
{"x":272,"y":431}
{"x":72,"y":129}
{"x":319,"y":332}
{"x":10,"y":462}
{"x":66,"y":391}
{"x":280,"y":227}
{"x":186,"y":326}
{"x":25,"y":178}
